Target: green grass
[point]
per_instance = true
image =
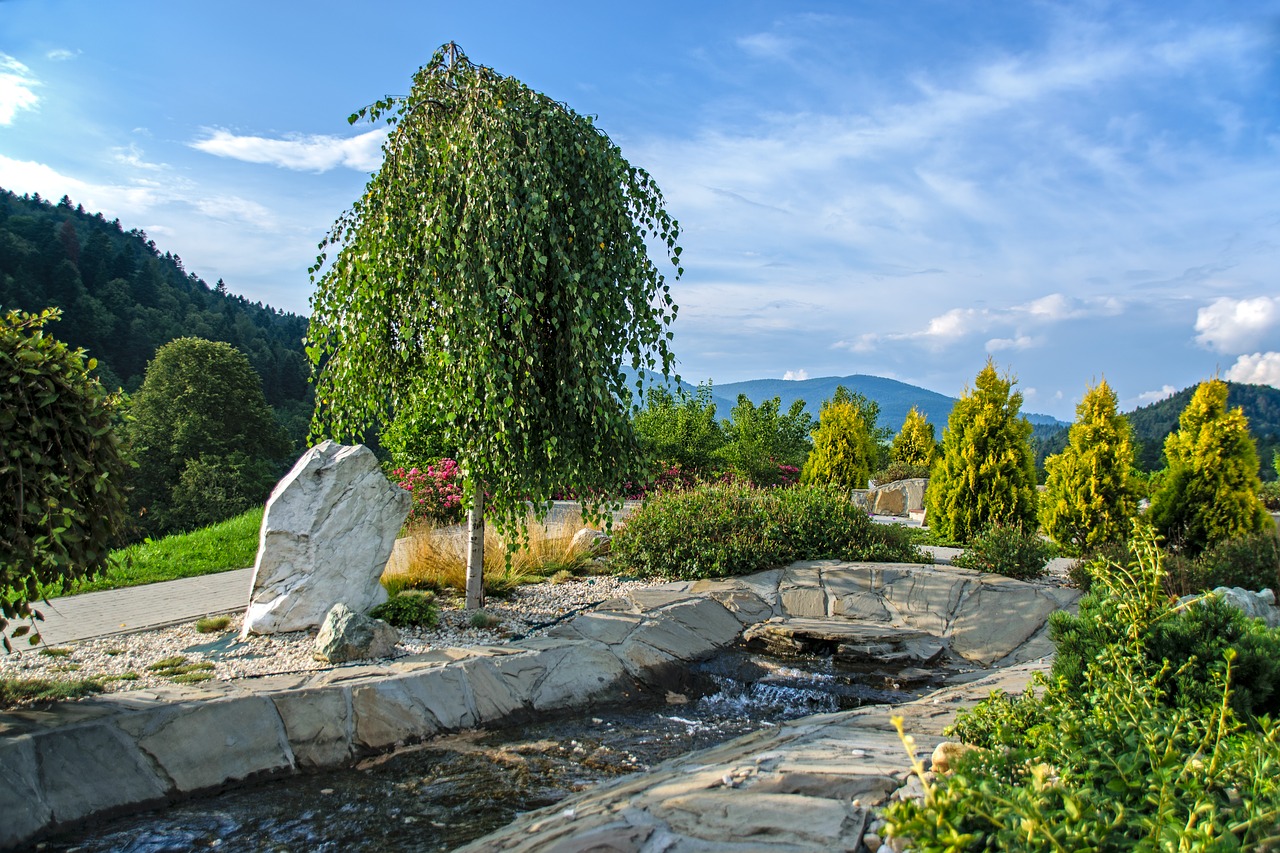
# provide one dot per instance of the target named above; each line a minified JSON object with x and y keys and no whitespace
{"x":14,"y":691}
{"x":228,"y":545}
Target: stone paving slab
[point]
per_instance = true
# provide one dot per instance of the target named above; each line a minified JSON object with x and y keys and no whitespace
{"x":136,"y":608}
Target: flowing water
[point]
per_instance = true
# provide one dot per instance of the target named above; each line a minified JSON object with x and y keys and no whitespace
{"x":454,"y":788}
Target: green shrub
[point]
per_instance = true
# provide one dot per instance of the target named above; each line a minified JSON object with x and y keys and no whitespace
{"x":1007,"y":549}
{"x":846,"y":442}
{"x":1252,"y":562}
{"x":1269,"y":494}
{"x":408,"y":608}
{"x":896,"y":471}
{"x":914,"y":445}
{"x":719,"y":531}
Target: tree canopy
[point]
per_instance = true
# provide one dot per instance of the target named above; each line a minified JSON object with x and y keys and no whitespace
{"x":1089,"y":494}
{"x":1209,"y":491}
{"x":986,"y":474}
{"x":495,"y":274}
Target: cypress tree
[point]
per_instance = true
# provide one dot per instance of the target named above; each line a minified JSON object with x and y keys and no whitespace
{"x":1089,"y":495}
{"x":1208,"y":491}
{"x":845,"y":443}
{"x":986,"y":474}
{"x":915,"y":444}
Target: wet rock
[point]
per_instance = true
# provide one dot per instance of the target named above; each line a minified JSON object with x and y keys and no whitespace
{"x":347,"y":636}
{"x":327,"y":533}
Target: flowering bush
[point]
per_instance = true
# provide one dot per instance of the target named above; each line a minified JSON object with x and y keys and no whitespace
{"x":437,"y":491}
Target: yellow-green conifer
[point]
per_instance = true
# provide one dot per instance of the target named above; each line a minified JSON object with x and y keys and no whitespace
{"x":845,"y":443}
{"x":915,"y":444}
{"x":1089,"y":496}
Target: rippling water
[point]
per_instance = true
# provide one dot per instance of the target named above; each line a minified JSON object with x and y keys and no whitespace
{"x":455,"y":788}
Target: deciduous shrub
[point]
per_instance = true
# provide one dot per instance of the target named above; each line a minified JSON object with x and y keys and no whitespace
{"x":1007,"y":549}
{"x":61,"y":470}
{"x":1252,"y":562}
{"x":895,"y":471}
{"x":718,"y":531}
{"x":759,"y":440}
{"x":436,"y":490}
{"x":680,"y":431}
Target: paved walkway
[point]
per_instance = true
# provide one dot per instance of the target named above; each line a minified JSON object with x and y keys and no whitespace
{"x":135,"y":608}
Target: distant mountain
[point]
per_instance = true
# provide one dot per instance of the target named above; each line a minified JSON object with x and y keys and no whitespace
{"x":895,"y":398}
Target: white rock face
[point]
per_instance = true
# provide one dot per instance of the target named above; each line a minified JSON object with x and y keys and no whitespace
{"x":326,"y":535}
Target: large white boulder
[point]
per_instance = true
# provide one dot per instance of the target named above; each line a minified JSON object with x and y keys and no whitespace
{"x":326,"y":535}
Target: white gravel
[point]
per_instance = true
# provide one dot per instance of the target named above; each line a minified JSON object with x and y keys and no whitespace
{"x":123,"y":659}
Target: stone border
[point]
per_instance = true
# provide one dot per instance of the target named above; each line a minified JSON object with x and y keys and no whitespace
{"x":134,"y":749}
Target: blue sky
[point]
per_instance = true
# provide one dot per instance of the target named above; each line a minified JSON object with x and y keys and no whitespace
{"x":1078,"y":190}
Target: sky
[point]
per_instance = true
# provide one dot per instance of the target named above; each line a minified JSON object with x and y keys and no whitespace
{"x":1077,"y":190}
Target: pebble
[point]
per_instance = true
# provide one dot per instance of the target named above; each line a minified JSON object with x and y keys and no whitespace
{"x":130,"y":655}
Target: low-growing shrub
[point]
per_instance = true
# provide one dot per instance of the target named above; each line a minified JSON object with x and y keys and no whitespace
{"x":407,"y":609}
{"x":719,"y":531}
{"x":1269,"y":494}
{"x":1007,"y":549}
{"x":1252,"y":562}
{"x":896,"y":471}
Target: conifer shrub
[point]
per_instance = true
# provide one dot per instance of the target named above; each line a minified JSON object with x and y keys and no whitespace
{"x":1089,"y":498}
{"x":915,"y":444}
{"x":408,"y":608}
{"x":1007,"y":549}
{"x":720,"y":531}
{"x":846,"y":442}
{"x":986,"y":473}
{"x":1209,"y":491}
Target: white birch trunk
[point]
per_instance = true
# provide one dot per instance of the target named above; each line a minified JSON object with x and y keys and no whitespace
{"x":475,"y":553}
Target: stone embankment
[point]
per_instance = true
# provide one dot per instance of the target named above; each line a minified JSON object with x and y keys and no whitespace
{"x":125,"y":750}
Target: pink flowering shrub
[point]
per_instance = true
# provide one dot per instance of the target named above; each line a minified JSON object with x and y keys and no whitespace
{"x":437,"y":491}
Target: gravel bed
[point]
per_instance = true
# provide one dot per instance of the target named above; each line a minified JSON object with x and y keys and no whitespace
{"x":122,"y":660}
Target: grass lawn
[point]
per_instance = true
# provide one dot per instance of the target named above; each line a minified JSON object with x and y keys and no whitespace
{"x":231,"y":544}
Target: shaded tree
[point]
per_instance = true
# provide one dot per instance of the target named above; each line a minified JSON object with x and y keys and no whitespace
{"x":1090,"y":497}
{"x":201,"y":403}
{"x":495,"y":274}
{"x":986,"y":473}
{"x":61,"y":472}
{"x":1209,"y":489}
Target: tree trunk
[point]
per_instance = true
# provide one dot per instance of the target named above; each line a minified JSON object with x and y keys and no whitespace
{"x":475,"y":553}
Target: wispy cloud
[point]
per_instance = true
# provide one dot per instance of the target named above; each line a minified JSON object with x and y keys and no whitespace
{"x":767,"y":45}
{"x":315,"y":153}
{"x":17,"y":88}
{"x":1148,"y":397}
{"x":61,"y":54}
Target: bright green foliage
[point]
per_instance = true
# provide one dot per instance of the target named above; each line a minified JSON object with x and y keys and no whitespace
{"x":760,"y":439}
{"x":915,"y":443}
{"x":846,"y":444}
{"x":201,"y":422}
{"x":1009,"y":550}
{"x":680,"y":430}
{"x":1089,"y":498}
{"x":1209,"y":491}
{"x":413,"y":439}
{"x":1145,"y":744}
{"x":408,"y":608}
{"x":718,"y":531}
{"x":494,"y":275}
{"x":60,"y":471}
{"x":986,"y":473}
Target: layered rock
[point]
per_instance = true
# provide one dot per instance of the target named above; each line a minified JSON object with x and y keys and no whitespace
{"x":328,"y":530}
{"x":347,"y":636}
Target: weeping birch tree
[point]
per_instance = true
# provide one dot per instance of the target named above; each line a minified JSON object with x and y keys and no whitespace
{"x":494,"y":278}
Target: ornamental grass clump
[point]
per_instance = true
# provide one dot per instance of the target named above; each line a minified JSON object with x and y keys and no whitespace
{"x":720,"y":531}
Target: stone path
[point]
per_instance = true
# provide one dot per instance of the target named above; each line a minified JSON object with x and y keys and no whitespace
{"x":137,"y":608}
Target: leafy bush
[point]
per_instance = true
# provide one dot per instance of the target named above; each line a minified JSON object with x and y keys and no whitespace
{"x":1269,"y":494}
{"x":1252,"y":562}
{"x":61,"y":470}
{"x":761,"y":440}
{"x":680,"y":431}
{"x":896,"y":471}
{"x":212,"y":489}
{"x":408,"y":608}
{"x":437,"y":491}
{"x":1007,"y":549}
{"x":719,"y":531}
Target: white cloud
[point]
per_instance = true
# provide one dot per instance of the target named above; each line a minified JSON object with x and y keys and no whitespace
{"x":17,"y":88}
{"x":767,"y":45}
{"x":795,"y":375}
{"x":230,"y":208}
{"x":131,"y":155}
{"x":1019,"y":343}
{"x":61,"y":54}
{"x":315,"y":153}
{"x":1147,"y":397}
{"x":1236,"y":325}
{"x":1261,"y":368}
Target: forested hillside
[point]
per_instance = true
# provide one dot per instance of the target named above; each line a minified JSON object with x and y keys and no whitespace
{"x":1153,"y":423}
{"x":121,"y":299}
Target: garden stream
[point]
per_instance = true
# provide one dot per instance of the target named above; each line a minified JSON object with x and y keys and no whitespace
{"x":447,"y":791}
